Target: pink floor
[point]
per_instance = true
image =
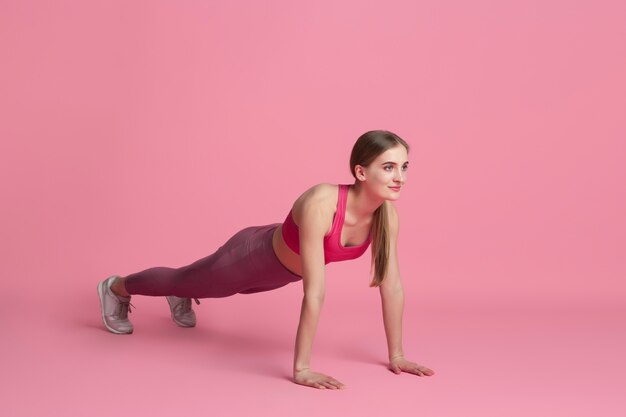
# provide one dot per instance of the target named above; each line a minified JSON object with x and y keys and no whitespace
{"x":526,"y":359}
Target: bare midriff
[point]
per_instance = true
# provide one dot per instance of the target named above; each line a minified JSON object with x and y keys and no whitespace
{"x":285,"y":255}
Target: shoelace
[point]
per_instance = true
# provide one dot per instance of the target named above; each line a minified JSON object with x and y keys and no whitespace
{"x":123,"y":308}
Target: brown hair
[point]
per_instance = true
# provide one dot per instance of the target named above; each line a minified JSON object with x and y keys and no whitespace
{"x":366,"y":149}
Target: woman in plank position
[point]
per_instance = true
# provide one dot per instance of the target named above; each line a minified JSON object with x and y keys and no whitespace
{"x":327,"y":223}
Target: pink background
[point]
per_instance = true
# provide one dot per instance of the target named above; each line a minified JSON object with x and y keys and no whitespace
{"x":145,"y":133}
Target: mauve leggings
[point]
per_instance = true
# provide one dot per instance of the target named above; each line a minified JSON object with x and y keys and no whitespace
{"x":245,"y":264}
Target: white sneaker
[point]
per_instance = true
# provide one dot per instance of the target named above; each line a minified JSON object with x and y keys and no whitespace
{"x":181,"y":311}
{"x":115,"y":309}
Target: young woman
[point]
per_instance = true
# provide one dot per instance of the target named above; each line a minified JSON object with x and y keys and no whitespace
{"x":327,"y":223}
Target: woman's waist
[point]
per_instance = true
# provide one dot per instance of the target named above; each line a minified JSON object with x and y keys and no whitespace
{"x":284,"y":253}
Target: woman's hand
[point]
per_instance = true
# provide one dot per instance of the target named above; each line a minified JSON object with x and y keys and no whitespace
{"x":399,"y":364}
{"x":316,"y":380}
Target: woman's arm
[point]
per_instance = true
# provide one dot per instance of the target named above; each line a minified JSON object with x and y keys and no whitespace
{"x":312,"y":231}
{"x":392,"y":293}
{"x":392,"y":297}
{"x":393,"y":305}
{"x":309,"y":318}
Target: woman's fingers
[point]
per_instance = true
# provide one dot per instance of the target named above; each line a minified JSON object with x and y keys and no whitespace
{"x":411,"y":367}
{"x":330,"y":383}
{"x":317,"y":380}
{"x":414,"y":369}
{"x":424,"y":370}
{"x":335,"y":383}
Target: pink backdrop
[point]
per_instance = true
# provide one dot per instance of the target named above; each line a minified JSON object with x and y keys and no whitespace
{"x":145,"y":133}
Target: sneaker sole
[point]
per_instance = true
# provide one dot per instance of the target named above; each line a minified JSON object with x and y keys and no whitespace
{"x":174,"y":318}
{"x":101,"y":291}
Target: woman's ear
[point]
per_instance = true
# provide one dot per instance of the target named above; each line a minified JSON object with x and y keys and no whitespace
{"x":359,"y":172}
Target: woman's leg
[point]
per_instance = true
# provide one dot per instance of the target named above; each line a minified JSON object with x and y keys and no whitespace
{"x":246,"y":263}
{"x":161,"y":282}
{"x":119,"y":288}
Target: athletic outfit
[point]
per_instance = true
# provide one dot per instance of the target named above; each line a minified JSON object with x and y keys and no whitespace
{"x":334,"y":251}
{"x":245,"y":264}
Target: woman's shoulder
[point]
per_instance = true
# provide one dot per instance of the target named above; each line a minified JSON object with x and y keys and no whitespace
{"x":318,"y":193}
{"x":323,"y":195}
{"x":324,"y":190}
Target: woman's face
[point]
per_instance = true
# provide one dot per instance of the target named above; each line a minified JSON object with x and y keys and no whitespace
{"x":387,"y":171}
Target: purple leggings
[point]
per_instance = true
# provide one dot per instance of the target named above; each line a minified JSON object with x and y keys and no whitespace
{"x":245,"y":264}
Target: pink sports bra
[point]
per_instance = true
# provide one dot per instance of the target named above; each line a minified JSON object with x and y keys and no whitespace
{"x":334,"y":251}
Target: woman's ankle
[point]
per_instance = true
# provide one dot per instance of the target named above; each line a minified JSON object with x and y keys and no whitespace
{"x":118,"y":287}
